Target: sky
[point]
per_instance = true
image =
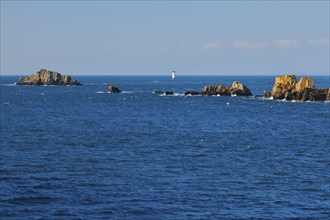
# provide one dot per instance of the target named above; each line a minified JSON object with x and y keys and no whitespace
{"x":154,"y":38}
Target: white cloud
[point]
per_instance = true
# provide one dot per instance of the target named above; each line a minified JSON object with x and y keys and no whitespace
{"x":211,"y":45}
{"x":246,"y":45}
{"x":286,"y":42}
{"x":322,"y":42}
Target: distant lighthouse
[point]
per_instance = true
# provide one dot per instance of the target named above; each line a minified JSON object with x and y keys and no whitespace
{"x":173,"y":74}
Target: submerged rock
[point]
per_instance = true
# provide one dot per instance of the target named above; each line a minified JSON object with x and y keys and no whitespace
{"x":190,"y":93}
{"x":286,"y":87}
{"x":164,"y":93}
{"x":236,"y":89}
{"x":46,"y":77}
{"x":113,"y":89}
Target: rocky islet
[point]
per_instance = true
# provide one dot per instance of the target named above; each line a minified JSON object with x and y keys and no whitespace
{"x":287,"y":88}
{"x":46,"y":77}
{"x":113,"y":89}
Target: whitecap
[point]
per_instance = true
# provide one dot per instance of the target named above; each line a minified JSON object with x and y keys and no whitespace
{"x":233,"y":95}
{"x":10,"y":84}
{"x":264,"y":98}
{"x":127,"y":92}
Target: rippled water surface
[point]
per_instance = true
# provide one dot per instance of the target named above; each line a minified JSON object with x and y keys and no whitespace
{"x":80,"y":153}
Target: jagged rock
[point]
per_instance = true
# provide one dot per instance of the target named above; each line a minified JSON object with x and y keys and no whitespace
{"x":304,"y":82}
{"x":236,"y":89}
{"x":46,"y":77}
{"x":217,"y":90}
{"x":288,"y":96}
{"x":283,"y":84}
{"x":267,"y":94}
{"x":112,"y":89}
{"x":239,"y":89}
{"x":286,"y":87}
{"x":314,"y":95}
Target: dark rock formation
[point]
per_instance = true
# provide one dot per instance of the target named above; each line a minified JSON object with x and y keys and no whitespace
{"x":267,"y":94}
{"x":112,"y":89}
{"x":236,"y":89}
{"x":189,"y":93}
{"x":45,"y":77}
{"x":286,"y":87}
{"x":164,"y":93}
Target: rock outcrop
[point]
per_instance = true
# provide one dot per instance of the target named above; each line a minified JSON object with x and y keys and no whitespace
{"x":46,"y":77}
{"x":236,"y":89}
{"x":164,"y":92}
{"x":286,"y":87}
{"x":112,"y":89}
{"x":282,"y":85}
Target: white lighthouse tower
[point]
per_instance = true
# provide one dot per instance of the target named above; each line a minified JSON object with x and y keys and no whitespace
{"x":173,"y":74}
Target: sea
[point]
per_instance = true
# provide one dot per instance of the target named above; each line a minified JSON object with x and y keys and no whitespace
{"x":77,"y":152}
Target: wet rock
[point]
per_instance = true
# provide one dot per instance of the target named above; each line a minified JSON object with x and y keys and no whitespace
{"x":46,"y":77}
{"x":189,"y":93}
{"x":164,"y":93}
{"x":113,"y":89}
{"x":267,"y":94}
{"x":288,"y":96}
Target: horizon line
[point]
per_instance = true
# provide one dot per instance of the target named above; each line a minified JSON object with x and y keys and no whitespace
{"x":237,"y":74}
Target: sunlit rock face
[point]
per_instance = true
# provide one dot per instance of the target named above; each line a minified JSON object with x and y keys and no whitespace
{"x":46,"y":77}
{"x":286,"y":87}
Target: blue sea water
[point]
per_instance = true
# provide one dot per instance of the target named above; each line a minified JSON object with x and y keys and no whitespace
{"x":79,"y":153}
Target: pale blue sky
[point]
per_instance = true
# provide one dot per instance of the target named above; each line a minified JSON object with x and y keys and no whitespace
{"x":144,"y":37}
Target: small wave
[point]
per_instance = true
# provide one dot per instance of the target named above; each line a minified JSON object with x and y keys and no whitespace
{"x":263,"y":98}
{"x":233,"y":95}
{"x":10,"y":84}
{"x":30,"y":200}
{"x":124,"y":92}
{"x":191,"y":95}
{"x":174,"y":94}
